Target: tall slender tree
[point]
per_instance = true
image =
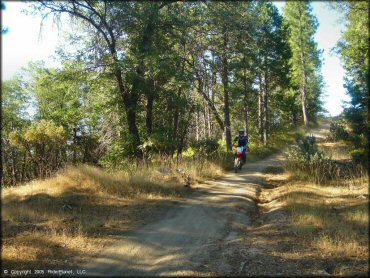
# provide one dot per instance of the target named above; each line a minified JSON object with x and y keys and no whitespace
{"x":306,"y":62}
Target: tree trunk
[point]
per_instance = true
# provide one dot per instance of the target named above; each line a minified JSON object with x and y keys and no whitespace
{"x":23,"y":166}
{"x":304,"y":105}
{"x":131,"y":99}
{"x":260,"y":109}
{"x":130,"y":103}
{"x":175,"y":125}
{"x":183,"y":135}
{"x":169,"y":115}
{"x":86,"y":148}
{"x":225,"y":81}
{"x":205,"y":130}
{"x":197,"y":126}
{"x":295,"y":120}
{"x":304,"y":77}
{"x":265,"y":102}
{"x":175,"y":130}
{"x":209,"y":123}
{"x":149,"y":106}
{"x":209,"y":102}
{"x":245,"y":97}
{"x":74,"y":159}
{"x":14,"y":178}
{"x":132,"y":127}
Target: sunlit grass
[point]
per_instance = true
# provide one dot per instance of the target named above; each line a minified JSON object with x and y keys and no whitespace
{"x":73,"y":213}
{"x":335,"y":150}
{"x":332,"y":218}
{"x":341,"y":243}
{"x":326,"y":224}
{"x":82,"y":204}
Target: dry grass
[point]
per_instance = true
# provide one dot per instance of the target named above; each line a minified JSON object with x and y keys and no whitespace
{"x":334,"y":218}
{"x":315,"y":229}
{"x":330,"y":219}
{"x":70,"y":217}
{"x":335,"y":150}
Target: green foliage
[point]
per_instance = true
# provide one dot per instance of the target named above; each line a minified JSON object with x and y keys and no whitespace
{"x":189,"y":152}
{"x":45,"y":132}
{"x":115,"y":156}
{"x":338,"y":131}
{"x":259,"y":152}
{"x":353,"y":48}
{"x":40,"y":145}
{"x":151,"y":79}
{"x":308,"y":149}
{"x":306,"y":57}
{"x":361,"y":156}
{"x":205,"y":147}
{"x":307,"y":160}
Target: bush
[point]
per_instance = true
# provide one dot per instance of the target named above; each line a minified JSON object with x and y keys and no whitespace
{"x":189,"y":152}
{"x":308,"y":148}
{"x":338,"y":132}
{"x":224,"y":159}
{"x":306,"y":159}
{"x":206,"y":147}
{"x":360,"y":156}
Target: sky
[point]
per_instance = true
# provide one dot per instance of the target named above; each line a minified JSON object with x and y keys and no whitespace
{"x":24,"y":43}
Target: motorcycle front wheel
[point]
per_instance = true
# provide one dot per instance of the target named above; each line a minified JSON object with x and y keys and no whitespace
{"x":236,"y":164}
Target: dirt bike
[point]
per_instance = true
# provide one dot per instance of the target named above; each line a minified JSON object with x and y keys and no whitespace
{"x":238,"y":161}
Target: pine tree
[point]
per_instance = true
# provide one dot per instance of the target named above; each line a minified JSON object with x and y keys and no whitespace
{"x":306,"y":63}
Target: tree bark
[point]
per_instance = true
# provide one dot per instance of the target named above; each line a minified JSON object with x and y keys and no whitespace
{"x":304,"y":92}
{"x":304,"y":105}
{"x":149,"y":106}
{"x":265,"y":102}
{"x":197,"y":126}
{"x":183,"y":135}
{"x":225,"y":81}
{"x":131,"y":121}
{"x":245,"y":97}
{"x":74,"y":159}
{"x":209,"y":122}
{"x":260,"y":109}
{"x":205,"y":130}
{"x":14,"y":178}
{"x":175,"y":130}
{"x":304,"y":77}
{"x":210,"y":103}
{"x":23,"y":167}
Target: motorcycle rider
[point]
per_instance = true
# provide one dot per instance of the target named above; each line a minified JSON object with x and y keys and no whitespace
{"x":242,"y":142}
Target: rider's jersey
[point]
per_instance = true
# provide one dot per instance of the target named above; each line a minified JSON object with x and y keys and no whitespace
{"x":242,"y":140}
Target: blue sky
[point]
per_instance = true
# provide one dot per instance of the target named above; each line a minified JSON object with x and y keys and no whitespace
{"x":23,"y":43}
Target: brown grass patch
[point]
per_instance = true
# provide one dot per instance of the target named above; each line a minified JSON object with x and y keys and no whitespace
{"x":310,"y":229}
{"x":335,"y":150}
{"x":67,"y":219}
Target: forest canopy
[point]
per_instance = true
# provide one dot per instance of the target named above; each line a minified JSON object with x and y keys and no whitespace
{"x":159,"y":77}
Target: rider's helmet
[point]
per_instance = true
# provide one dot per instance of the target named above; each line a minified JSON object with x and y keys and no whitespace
{"x":241,"y":131}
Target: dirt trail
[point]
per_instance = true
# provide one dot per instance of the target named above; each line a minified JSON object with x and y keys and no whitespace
{"x":201,"y":235}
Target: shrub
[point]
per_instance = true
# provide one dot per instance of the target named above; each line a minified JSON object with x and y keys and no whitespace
{"x":306,"y":159}
{"x":205,"y":147}
{"x":360,"y":156}
{"x":189,"y":152}
{"x":338,"y":132}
